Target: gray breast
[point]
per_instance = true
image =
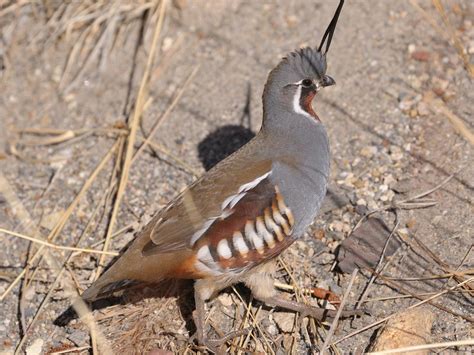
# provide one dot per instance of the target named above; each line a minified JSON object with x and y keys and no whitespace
{"x":302,"y":174}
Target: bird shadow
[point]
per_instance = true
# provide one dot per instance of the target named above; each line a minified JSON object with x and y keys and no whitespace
{"x":227,"y":139}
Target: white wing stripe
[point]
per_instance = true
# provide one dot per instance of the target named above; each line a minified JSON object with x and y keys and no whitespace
{"x":253,"y":183}
{"x":228,"y":203}
{"x":202,"y":230}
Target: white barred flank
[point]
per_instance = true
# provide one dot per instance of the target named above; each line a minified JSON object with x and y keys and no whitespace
{"x":253,"y":237}
{"x":239,"y":243}
{"x":223,"y":249}
{"x":263,"y":233}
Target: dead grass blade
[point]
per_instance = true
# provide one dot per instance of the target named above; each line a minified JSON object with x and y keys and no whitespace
{"x":454,"y":37}
{"x":442,"y":31}
{"x":458,"y":124}
{"x":55,"y":246}
{"x":332,"y":329}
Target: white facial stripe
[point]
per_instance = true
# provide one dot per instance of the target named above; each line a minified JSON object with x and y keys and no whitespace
{"x":239,"y":243}
{"x":296,"y":103}
{"x":223,"y":249}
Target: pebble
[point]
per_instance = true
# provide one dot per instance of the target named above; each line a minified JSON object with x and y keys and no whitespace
{"x":35,"y":348}
{"x":78,"y":337}
{"x":285,"y":321}
{"x":325,"y":258}
{"x":225,"y":299}
{"x":423,"y":109}
{"x":368,"y":151}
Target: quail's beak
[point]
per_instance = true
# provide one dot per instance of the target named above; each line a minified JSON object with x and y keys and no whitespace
{"x":327,"y":81}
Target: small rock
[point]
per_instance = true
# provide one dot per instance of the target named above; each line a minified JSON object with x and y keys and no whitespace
{"x":368,"y":152}
{"x":436,"y":220}
{"x":78,"y":337}
{"x":319,"y":234}
{"x":285,"y":321}
{"x":423,"y":109}
{"x":411,"y":223}
{"x":421,"y":55}
{"x":325,"y":258}
{"x":35,"y":348}
{"x":225,"y":299}
{"x":410,"y":328}
{"x":167,"y":43}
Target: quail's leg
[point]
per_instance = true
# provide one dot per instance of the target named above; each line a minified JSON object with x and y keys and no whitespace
{"x":261,"y":285}
{"x":203,"y":291}
{"x":198,"y":315}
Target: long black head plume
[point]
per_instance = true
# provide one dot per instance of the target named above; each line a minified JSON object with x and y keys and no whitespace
{"x":331,"y":28}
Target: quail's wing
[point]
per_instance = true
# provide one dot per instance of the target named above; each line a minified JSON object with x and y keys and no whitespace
{"x":209,"y":200}
{"x":231,"y":220}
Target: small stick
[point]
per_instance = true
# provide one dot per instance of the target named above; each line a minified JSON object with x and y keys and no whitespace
{"x":378,"y":268}
{"x":70,"y":350}
{"x":430,"y":191}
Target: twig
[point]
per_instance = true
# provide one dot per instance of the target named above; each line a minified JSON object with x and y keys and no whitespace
{"x":434,"y":304}
{"x":418,"y":295}
{"x":455,"y":121}
{"x":339,"y":311}
{"x":66,"y":351}
{"x":254,"y":319}
{"x":428,"y":192}
{"x":182,"y":164}
{"x":378,"y":268}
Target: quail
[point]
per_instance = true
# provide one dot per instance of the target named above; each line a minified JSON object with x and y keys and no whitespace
{"x":229,"y":225}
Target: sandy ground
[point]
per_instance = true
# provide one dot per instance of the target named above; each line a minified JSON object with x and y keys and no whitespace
{"x":387,"y":139}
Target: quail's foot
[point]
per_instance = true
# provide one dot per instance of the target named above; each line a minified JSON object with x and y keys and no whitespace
{"x":306,"y":310}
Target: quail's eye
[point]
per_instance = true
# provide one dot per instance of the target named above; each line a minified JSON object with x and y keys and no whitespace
{"x":307,"y":83}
